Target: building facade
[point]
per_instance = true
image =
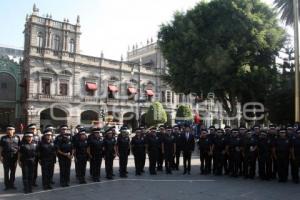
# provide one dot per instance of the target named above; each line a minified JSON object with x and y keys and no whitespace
{"x":64,"y":86}
{"x":10,"y":90}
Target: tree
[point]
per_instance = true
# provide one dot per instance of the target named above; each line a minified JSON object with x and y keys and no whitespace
{"x":286,"y":9}
{"x":184,"y":114}
{"x":156,"y":114}
{"x":282,"y":110}
{"x":224,"y":46}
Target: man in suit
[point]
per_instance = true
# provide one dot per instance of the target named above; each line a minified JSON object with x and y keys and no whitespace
{"x":188,"y":145}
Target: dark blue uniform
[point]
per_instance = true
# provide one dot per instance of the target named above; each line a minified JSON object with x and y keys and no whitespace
{"x":265,"y":145}
{"x":282,"y":149}
{"x":81,"y":156}
{"x":10,"y":149}
{"x":63,"y":143}
{"x":47,"y":157}
{"x":138,"y":151}
{"x":219,"y":144}
{"x":109,"y":153}
{"x":205,"y":145}
{"x":123,"y":144}
{"x":296,"y":158}
{"x":169,"y":142}
{"x":235,"y":154}
{"x":28,"y":157}
{"x":153,"y":142}
{"x":250,"y":155}
{"x":96,"y":150}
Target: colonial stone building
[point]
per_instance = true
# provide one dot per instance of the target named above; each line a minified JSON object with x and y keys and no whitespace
{"x":64,"y":86}
{"x":10,"y":87}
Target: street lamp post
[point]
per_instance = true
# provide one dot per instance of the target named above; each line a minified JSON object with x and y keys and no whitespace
{"x":296,"y":44}
{"x":30,"y":110}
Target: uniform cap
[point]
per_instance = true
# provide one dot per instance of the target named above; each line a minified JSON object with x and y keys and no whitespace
{"x":31,"y":126}
{"x":10,"y":127}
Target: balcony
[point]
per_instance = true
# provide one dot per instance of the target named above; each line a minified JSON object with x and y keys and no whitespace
{"x":54,"y":98}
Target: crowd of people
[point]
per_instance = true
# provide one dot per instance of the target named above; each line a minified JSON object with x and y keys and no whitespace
{"x":232,"y":152}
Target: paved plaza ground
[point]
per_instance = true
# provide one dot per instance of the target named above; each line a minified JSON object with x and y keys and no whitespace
{"x":162,"y":186}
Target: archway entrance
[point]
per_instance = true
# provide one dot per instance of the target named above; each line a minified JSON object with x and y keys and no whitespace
{"x":54,"y":117}
{"x":130,"y":120}
{"x":88,"y":117}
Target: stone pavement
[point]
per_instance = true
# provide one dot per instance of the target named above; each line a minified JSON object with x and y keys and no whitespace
{"x":161,"y":186}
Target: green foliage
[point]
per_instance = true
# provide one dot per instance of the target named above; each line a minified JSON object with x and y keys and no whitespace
{"x":286,"y":9}
{"x":184,"y":113}
{"x":156,"y":114}
{"x":224,"y":46}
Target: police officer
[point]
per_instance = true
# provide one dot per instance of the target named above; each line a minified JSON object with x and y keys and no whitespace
{"x":273,"y":135}
{"x":64,"y":147}
{"x":235,"y":153}
{"x":9,"y":148}
{"x":95,"y":151}
{"x":176,"y":157}
{"x":138,"y":150}
{"x":188,"y":146}
{"x":47,"y":158}
{"x":295,"y":156}
{"x":152,"y":147}
{"x":80,"y":153}
{"x":211,"y":136}
{"x":109,"y":152}
{"x":143,"y":134}
{"x":36,"y":139}
{"x":75,"y":139}
{"x":265,"y":145}
{"x":205,"y":148}
{"x":160,"y":158}
{"x":227,"y":137}
{"x":168,"y":149}
{"x":27,"y":157}
{"x":249,"y":155}
{"x":281,"y":153}
{"x":219,"y":150}
{"x":123,"y":150}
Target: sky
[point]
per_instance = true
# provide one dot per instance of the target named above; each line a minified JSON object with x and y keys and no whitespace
{"x":106,"y":25}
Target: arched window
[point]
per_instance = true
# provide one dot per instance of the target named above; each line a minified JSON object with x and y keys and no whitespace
{"x":72,"y":46}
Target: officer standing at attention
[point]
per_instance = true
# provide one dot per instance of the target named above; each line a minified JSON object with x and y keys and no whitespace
{"x":36,"y":139}
{"x":152,"y":148}
{"x":47,"y":158}
{"x":27,"y":157}
{"x":143,"y":135}
{"x":295,"y":156}
{"x":160,"y":158}
{"x":95,"y":151}
{"x":281,"y":153}
{"x":138,"y":151}
{"x":235,"y":153}
{"x":168,"y":149}
{"x":75,"y":139}
{"x":249,"y":155}
{"x":219,"y":150}
{"x":123,"y":150}
{"x":265,"y":145}
{"x":188,"y":146}
{"x":176,"y":158}
{"x":64,"y":148}
{"x":227,"y":137}
{"x":81,"y":156}
{"x":109,"y":152}
{"x":9,"y":148}
{"x":205,"y":148}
